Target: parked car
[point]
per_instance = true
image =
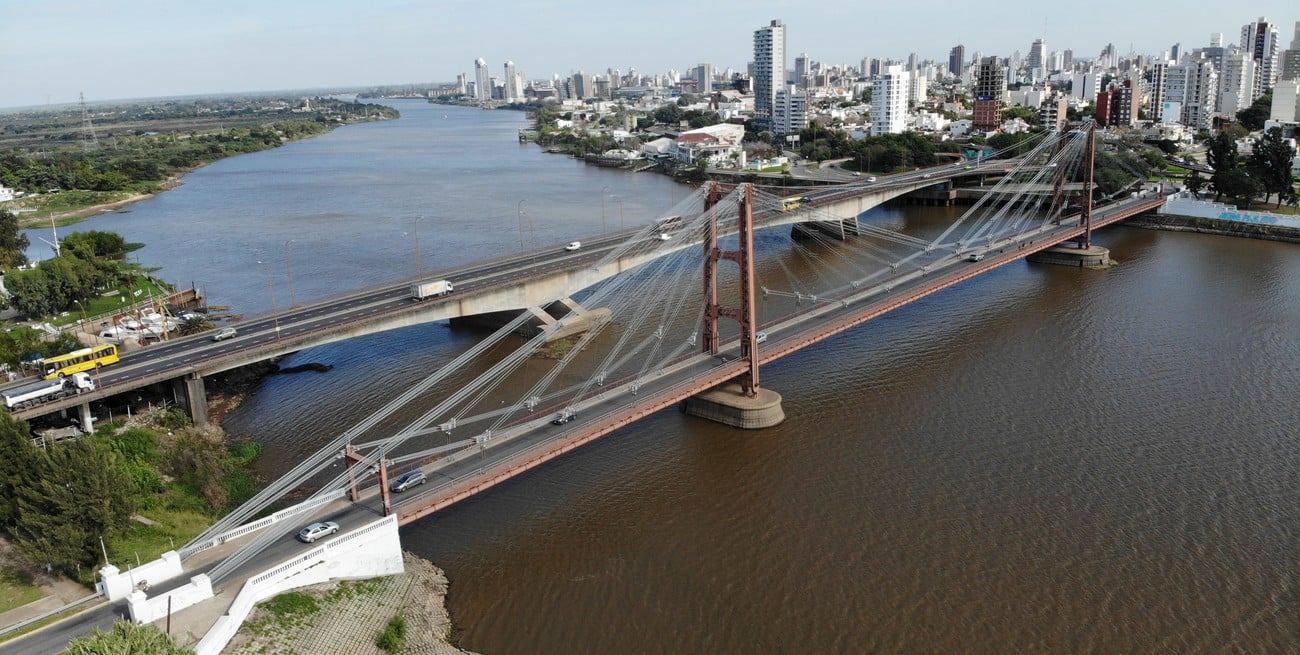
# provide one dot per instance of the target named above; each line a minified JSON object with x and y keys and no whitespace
{"x":573,"y":245}
{"x":317,"y":530}
{"x":224,"y":333}
{"x":408,"y":480}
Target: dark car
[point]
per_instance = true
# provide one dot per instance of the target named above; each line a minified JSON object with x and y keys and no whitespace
{"x":563,"y":417}
{"x":408,"y":480}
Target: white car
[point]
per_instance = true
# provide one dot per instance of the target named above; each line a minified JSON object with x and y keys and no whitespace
{"x":573,"y":245}
{"x":664,"y":236}
{"x":224,"y":333}
{"x":317,"y":530}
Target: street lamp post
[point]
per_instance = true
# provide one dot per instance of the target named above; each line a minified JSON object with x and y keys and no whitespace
{"x":602,"y":208}
{"x":270,"y":290}
{"x":419,"y":261}
{"x":519,"y":213}
{"x":288,"y":265}
{"x":85,"y":322}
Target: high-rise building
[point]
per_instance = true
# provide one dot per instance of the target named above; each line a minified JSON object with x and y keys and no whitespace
{"x":512,"y":90}
{"x":1259,"y":39}
{"x":1175,"y":51}
{"x":802,"y":70}
{"x":1067,"y":59}
{"x":1237,"y":75}
{"x":1037,"y":61}
{"x":790,"y":111}
{"x":482,"y":83}
{"x":956,"y":60}
{"x":1118,"y":105}
{"x":1159,"y":75}
{"x":1290,"y":59}
{"x":990,"y":85}
{"x":704,"y":78}
{"x":583,"y":86}
{"x":918,"y":88}
{"x":889,"y":101}
{"x":1193,"y":84}
{"x":769,"y":70}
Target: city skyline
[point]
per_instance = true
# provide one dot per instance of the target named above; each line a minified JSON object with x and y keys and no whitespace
{"x":52,"y":50}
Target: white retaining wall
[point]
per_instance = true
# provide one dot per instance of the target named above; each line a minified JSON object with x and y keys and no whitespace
{"x":367,"y":552}
{"x":1184,"y":204}
{"x":116,"y":584}
{"x":148,"y":610}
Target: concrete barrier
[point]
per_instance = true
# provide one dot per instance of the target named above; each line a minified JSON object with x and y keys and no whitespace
{"x":370,"y":551}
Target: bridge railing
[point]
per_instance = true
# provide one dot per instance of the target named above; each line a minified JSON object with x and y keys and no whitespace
{"x":301,"y":570}
{"x":247,"y":528}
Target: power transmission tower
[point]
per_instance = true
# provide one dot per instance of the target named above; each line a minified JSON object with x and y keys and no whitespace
{"x":89,"y":141}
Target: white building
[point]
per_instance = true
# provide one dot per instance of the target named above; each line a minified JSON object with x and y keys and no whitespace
{"x":1237,"y":74}
{"x":715,"y":141}
{"x":482,"y":83}
{"x":1260,"y":40}
{"x":1084,"y":86}
{"x":889,"y":101}
{"x":6,"y":193}
{"x":769,"y":70}
{"x":1195,"y":84}
{"x":919,"y":89}
{"x":790,"y":113}
{"x":1286,"y":102}
{"x":513,"y":90}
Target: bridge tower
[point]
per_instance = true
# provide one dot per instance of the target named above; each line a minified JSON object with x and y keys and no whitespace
{"x":742,"y":402}
{"x":1077,"y":251}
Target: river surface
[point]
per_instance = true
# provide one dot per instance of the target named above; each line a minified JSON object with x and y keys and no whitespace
{"x":1040,"y":460}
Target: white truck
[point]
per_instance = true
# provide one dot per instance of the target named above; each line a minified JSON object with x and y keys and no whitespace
{"x":47,"y":390}
{"x":422,"y":290}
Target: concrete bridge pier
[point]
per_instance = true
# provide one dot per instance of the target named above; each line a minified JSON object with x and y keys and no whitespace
{"x":1067,"y":254}
{"x":192,"y":392}
{"x":841,"y":230}
{"x":569,"y":317}
{"x":729,"y":405}
{"x":87,"y":419}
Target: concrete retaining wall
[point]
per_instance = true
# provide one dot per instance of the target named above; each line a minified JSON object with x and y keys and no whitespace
{"x":148,"y":610}
{"x":116,"y":584}
{"x":367,"y":552}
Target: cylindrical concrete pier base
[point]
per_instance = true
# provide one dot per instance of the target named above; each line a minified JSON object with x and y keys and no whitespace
{"x":728,"y":405}
{"x":1068,"y":255}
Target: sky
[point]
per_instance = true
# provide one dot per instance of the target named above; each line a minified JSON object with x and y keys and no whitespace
{"x":52,"y":50}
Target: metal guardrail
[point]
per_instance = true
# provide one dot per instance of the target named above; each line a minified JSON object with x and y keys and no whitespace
{"x":6,"y":630}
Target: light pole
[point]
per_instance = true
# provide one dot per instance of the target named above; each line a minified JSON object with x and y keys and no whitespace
{"x":288,"y":265}
{"x":602,"y":208}
{"x":270,"y":290}
{"x":419,"y":261}
{"x":519,"y":212}
{"x":620,"y":214}
{"x":85,"y":322}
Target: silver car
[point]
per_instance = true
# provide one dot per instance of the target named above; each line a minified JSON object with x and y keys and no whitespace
{"x":317,"y":530}
{"x":224,"y":333}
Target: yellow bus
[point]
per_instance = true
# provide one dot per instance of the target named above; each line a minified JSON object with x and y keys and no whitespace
{"x":77,"y":361}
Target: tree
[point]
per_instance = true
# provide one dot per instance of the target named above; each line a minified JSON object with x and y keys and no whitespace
{"x":1194,"y":183}
{"x":17,"y":466}
{"x":1253,"y":117}
{"x":126,"y":638}
{"x":1221,"y":155}
{"x":13,"y":242}
{"x":81,"y":492}
{"x":1270,"y":164}
{"x":1238,"y":185}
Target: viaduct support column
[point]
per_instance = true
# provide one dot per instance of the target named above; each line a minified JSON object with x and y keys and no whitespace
{"x":741,"y":403}
{"x":190,"y":392}
{"x":87,"y":419}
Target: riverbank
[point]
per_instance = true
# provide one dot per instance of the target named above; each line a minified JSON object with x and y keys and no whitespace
{"x":1218,"y":226}
{"x":38,"y":219}
{"x":354,"y":613}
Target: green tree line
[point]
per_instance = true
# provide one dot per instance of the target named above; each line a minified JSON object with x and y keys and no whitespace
{"x":56,"y":503}
{"x":1265,"y":172}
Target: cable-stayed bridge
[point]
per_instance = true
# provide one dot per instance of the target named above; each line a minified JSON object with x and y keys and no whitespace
{"x":691,"y":323}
